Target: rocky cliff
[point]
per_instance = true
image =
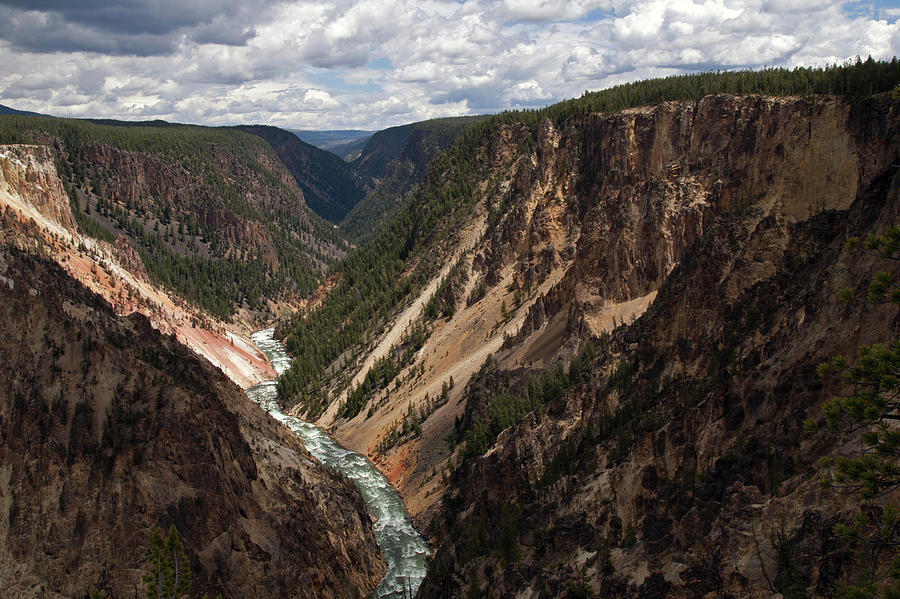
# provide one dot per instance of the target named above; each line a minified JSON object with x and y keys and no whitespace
{"x":672,"y":463}
{"x":109,"y":429}
{"x":699,"y":244}
{"x":199,"y":205}
{"x":31,"y":189}
{"x":29,"y":182}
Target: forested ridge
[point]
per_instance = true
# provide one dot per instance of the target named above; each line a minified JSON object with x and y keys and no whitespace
{"x":374,"y":284}
{"x":210,"y":210}
{"x":862,"y":78}
{"x":398,"y":157}
{"x":331,"y":187}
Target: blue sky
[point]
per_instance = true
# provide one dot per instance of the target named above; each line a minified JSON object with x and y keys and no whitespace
{"x":369,"y":64}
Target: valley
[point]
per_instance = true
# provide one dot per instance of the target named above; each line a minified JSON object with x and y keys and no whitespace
{"x":405,"y":551}
{"x":579,"y":344}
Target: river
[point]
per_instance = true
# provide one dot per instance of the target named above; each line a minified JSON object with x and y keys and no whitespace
{"x":405,"y":551}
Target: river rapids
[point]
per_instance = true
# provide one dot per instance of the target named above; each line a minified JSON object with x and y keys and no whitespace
{"x":405,"y":551}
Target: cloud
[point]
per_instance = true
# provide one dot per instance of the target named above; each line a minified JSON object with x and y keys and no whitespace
{"x":317,"y":98}
{"x":34,"y":31}
{"x":375,"y":63}
{"x":138,"y":27}
{"x":152,"y":17}
{"x":550,"y":10}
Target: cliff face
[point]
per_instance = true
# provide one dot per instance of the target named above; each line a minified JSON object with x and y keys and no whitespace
{"x":32,"y":192}
{"x":673,"y":462}
{"x":634,"y":190}
{"x":29,"y":182}
{"x":109,"y":428}
{"x":214,"y":214}
{"x":701,"y":242}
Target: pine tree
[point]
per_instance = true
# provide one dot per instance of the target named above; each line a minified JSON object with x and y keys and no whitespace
{"x":871,"y":408}
{"x":170,"y":570}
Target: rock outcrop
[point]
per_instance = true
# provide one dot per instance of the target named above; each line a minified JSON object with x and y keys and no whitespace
{"x":674,"y":463}
{"x":32,"y":192}
{"x":28,"y":179}
{"x":109,"y":428}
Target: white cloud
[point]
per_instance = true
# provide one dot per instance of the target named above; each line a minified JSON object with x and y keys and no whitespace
{"x":317,"y":98}
{"x":549,"y":10}
{"x":309,"y":63}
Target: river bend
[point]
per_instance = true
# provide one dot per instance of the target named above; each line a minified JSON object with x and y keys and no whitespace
{"x":405,"y":551}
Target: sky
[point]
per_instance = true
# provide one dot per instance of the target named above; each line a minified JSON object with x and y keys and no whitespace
{"x":370,"y":64}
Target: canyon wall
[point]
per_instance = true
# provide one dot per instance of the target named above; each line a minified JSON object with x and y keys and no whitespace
{"x":697,"y":247}
{"x":31,"y":189}
{"x":673,"y":463}
{"x":109,"y":428}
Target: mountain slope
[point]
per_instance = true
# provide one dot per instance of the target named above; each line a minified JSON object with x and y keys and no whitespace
{"x":213,"y":213}
{"x":398,"y":157}
{"x":383,"y":147}
{"x":331,"y":188}
{"x":9,"y":110}
{"x":540,"y":230}
{"x":109,"y":429}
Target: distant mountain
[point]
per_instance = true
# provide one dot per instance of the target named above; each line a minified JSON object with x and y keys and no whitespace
{"x":8,"y":110}
{"x":397,"y":157}
{"x":331,"y":187}
{"x":346,"y":143}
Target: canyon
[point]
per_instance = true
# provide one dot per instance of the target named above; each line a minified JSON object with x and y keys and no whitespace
{"x":697,"y":246}
{"x":581,"y":343}
{"x":111,"y":428}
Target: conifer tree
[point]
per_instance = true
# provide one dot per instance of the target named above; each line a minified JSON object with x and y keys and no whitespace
{"x":170,"y":570}
{"x":870,"y":407}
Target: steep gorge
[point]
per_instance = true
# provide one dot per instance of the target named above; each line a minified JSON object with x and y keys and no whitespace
{"x":699,"y":244}
{"x":582,"y":352}
{"x":30,"y":190}
{"x":109,"y":428}
{"x":331,"y":187}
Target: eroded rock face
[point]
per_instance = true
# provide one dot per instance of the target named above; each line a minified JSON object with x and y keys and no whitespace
{"x":667,"y":468}
{"x":145,"y":182}
{"x":31,"y":192}
{"x":576,"y":226}
{"x":28,"y":178}
{"x":109,"y":428}
{"x":634,"y":190}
